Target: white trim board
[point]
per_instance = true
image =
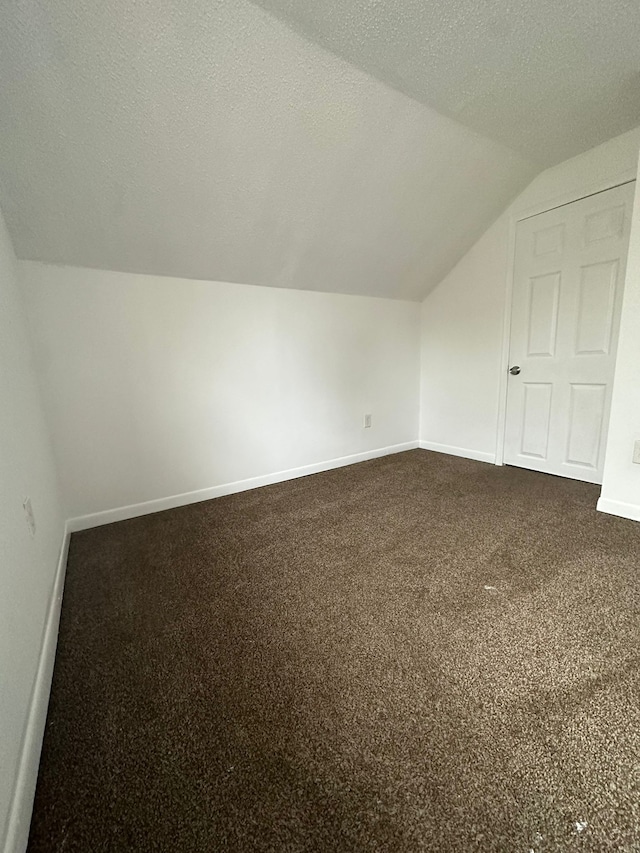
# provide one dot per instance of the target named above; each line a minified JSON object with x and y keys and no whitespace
{"x":478,"y":455}
{"x":619,"y":508}
{"x":19,"y":818}
{"x":626,"y":177}
{"x":84,"y":522}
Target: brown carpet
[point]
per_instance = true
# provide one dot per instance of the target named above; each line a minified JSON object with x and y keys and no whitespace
{"x":415,"y":653}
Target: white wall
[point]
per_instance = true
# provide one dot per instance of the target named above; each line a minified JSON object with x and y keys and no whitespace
{"x":621,"y":483}
{"x":463,"y":318}
{"x":159,"y":386}
{"x":27,"y":564}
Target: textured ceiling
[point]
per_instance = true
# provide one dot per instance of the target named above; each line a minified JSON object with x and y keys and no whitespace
{"x":548,"y":78}
{"x":208,"y":140}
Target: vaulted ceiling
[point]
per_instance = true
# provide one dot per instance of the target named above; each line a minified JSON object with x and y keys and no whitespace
{"x":358,"y":147}
{"x":547,"y":78}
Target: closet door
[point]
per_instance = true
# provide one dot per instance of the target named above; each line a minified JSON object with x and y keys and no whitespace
{"x":567,"y":294}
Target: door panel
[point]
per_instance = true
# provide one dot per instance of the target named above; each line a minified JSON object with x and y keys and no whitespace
{"x":568,"y":278}
{"x":544,"y":294}
{"x":585,"y":424}
{"x":549,"y":241}
{"x":535,"y":419}
{"x":604,"y":224}
{"x":596,"y":298}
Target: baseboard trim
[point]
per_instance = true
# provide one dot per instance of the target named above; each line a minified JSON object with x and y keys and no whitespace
{"x":620,"y":508}
{"x":19,"y":818}
{"x":477,"y":455}
{"x":96,"y":519}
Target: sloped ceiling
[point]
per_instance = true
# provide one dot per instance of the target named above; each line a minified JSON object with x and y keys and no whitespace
{"x":207,"y":139}
{"x":547,"y":78}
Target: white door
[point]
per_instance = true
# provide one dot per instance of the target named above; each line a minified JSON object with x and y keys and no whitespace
{"x":567,"y":292}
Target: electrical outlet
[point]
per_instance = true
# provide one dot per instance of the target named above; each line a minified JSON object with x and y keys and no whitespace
{"x":367,"y":421}
{"x":636,"y":452}
{"x":28,"y":514}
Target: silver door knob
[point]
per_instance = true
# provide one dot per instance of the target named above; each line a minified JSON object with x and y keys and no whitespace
{"x":515,"y":370}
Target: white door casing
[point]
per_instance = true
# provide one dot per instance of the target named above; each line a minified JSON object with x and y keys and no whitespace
{"x":567,"y":294}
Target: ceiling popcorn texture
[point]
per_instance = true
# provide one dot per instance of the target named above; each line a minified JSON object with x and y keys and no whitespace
{"x":549,"y":78}
{"x":211,"y":140}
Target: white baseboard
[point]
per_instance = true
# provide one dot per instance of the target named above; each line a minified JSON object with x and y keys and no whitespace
{"x":84,"y":522}
{"x":19,"y":819}
{"x":624,"y":510}
{"x":478,"y":455}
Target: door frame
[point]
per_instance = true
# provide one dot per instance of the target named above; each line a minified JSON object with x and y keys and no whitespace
{"x":516,"y":216}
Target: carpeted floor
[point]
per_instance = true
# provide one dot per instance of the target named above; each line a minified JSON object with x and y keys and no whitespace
{"x":417,"y":653}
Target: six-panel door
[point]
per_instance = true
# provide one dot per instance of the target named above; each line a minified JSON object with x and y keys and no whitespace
{"x":567,"y":293}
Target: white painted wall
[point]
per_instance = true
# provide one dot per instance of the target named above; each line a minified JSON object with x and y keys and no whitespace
{"x":461,"y":351}
{"x":159,"y":386}
{"x":462,"y":375}
{"x":27,"y":564}
{"x":621,"y":484}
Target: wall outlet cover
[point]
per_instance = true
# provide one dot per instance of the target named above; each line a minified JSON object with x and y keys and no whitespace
{"x":367,"y":421}
{"x":636,"y":452}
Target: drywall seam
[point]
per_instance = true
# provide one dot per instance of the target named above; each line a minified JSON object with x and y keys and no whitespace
{"x":620,"y":508}
{"x":478,"y":455}
{"x":84,"y":522}
{"x":19,"y":818}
